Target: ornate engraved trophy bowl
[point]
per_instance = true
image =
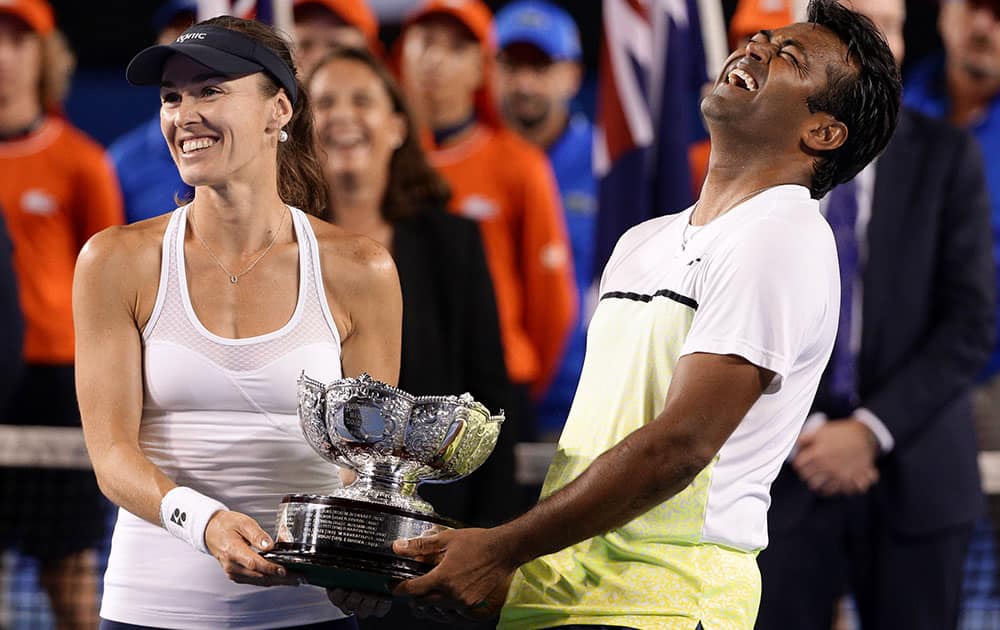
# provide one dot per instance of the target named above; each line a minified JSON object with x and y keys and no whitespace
{"x":393,"y":441}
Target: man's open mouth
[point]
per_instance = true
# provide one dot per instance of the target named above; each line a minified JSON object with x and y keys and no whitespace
{"x":741,"y":79}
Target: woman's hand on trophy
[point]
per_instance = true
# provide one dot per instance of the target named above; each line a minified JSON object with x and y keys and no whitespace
{"x":347,"y":476}
{"x":360,"y":603}
{"x":234,"y":539}
{"x":474,"y":570}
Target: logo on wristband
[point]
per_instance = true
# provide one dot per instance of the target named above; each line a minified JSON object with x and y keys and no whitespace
{"x":178,"y":517}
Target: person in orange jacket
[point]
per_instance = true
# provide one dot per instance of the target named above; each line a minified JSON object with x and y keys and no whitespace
{"x":323,"y":25}
{"x":57,"y":188}
{"x":445,"y":56}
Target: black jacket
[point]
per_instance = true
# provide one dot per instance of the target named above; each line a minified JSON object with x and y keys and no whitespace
{"x":11,"y":320}
{"x":451,"y":345}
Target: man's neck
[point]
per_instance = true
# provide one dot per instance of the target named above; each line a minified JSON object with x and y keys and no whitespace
{"x":18,"y":116}
{"x":452,"y":122}
{"x":734,"y":178}
{"x":454,"y":132}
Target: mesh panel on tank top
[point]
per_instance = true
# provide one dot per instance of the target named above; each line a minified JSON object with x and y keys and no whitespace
{"x":311,"y":325}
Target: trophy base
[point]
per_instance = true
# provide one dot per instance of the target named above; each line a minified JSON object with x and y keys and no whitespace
{"x":376,"y":574}
{"x":343,"y":543}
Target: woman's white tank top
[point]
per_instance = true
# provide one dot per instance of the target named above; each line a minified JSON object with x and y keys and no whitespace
{"x":219,"y":415}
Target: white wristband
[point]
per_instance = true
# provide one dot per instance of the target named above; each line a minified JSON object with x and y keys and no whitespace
{"x":185,"y":514}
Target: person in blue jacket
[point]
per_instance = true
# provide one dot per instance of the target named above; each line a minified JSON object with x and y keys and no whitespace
{"x":539,"y":74}
{"x":147,"y":174}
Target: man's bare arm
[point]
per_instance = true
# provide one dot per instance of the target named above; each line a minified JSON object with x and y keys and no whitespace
{"x":708,"y":397}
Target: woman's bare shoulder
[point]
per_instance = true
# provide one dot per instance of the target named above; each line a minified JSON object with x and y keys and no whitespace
{"x":125,"y":249}
{"x":350,"y":260}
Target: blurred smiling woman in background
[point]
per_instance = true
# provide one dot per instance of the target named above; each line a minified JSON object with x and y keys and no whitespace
{"x":380,"y":184}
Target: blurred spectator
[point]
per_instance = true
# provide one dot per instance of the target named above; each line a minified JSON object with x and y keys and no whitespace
{"x":149,"y":179}
{"x":381,"y":185}
{"x":447,"y":53}
{"x":323,"y":25}
{"x":964,"y":87}
{"x":57,"y":188}
{"x":752,"y":16}
{"x":883,"y":488}
{"x":539,"y":73}
{"x":11,"y":320}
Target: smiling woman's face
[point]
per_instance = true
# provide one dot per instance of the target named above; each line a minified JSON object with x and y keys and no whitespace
{"x":215,"y":126}
{"x":356,"y":123}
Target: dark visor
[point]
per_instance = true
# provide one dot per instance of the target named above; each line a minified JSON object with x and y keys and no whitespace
{"x":227,"y":52}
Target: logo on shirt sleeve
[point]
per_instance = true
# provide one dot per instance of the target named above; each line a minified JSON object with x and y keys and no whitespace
{"x":35,"y":201}
{"x":478,"y":208}
{"x":553,"y":256}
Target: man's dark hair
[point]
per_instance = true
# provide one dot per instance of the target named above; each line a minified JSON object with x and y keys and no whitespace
{"x":865,"y":98}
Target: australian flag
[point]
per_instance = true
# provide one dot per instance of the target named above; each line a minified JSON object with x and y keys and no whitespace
{"x":276,"y":12}
{"x":652,"y":69}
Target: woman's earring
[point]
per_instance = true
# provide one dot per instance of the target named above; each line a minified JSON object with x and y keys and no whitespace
{"x":282,"y":136}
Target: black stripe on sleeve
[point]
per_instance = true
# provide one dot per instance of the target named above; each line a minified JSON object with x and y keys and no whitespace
{"x":641,"y":297}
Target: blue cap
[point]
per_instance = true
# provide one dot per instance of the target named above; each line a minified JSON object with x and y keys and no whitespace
{"x":171,"y":9}
{"x":540,"y":24}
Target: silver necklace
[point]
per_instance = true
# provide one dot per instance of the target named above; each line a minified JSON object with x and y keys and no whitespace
{"x":235,"y":277}
{"x":685,"y":238}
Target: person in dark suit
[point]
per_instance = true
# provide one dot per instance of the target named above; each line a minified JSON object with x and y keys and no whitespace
{"x":381,"y":185}
{"x":881,"y":493}
{"x":11,"y":320}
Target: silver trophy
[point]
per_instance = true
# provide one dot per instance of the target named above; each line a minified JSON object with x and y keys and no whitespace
{"x":393,"y":441}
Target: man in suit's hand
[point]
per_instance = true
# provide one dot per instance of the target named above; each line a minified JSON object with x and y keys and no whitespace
{"x":838,"y":457}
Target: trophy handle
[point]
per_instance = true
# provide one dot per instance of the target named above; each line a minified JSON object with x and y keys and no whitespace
{"x":312,"y":415}
{"x":310,"y":384}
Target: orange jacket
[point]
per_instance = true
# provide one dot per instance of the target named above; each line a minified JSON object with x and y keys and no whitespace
{"x":57,"y":188}
{"x":507,"y":186}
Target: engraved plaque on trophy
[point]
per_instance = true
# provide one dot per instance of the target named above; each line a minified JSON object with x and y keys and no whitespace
{"x":393,"y":441}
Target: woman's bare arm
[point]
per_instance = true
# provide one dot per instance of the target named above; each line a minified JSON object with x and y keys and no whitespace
{"x":106,"y":295}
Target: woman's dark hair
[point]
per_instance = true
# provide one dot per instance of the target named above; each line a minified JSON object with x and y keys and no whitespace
{"x":865,"y":98}
{"x":300,"y":174}
{"x":413,"y":185}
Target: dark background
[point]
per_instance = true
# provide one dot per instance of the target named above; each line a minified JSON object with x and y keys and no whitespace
{"x":105,"y":35}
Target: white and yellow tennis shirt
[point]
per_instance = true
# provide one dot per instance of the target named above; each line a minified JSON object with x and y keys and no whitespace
{"x":761,"y":281}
